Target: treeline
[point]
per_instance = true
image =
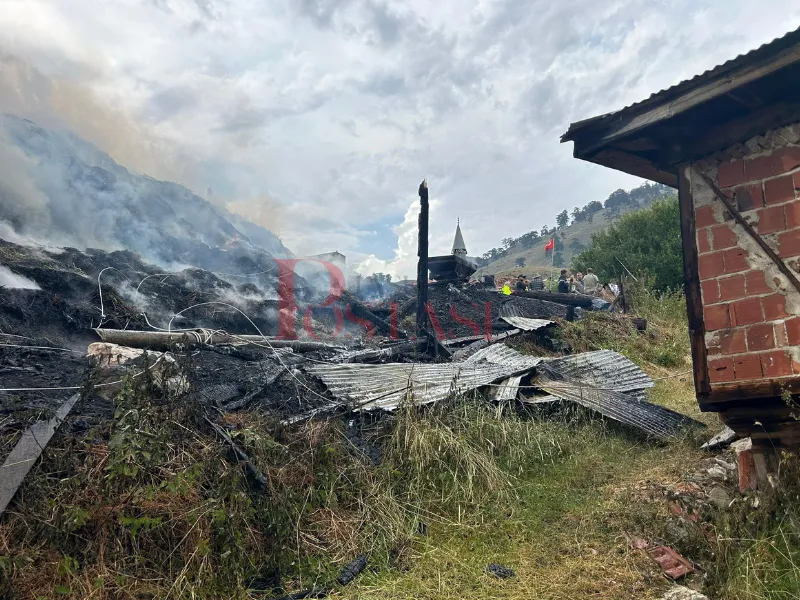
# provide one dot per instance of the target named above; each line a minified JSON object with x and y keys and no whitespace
{"x":645,"y":242}
{"x":617,"y":202}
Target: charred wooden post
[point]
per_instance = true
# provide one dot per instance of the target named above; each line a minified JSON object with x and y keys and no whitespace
{"x":422,"y":267}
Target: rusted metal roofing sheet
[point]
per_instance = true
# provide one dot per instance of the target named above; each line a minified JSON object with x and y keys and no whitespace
{"x":652,"y":419}
{"x":603,"y":369}
{"x":370,"y":387}
{"x":527,"y":324}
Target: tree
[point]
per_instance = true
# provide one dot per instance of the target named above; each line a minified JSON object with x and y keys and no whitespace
{"x":508,"y":242}
{"x":545,"y":231}
{"x":563,"y":218}
{"x":618,"y":199}
{"x":577,"y":215}
{"x":648,"y":241}
{"x":520,"y":262}
{"x":558,"y":260}
{"x":577,"y":246}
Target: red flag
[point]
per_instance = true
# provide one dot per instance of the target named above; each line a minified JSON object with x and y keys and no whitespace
{"x":551,"y":245}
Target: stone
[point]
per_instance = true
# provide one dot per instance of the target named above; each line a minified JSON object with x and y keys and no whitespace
{"x":679,"y":592}
{"x":717,"y":472}
{"x":719,"y":497}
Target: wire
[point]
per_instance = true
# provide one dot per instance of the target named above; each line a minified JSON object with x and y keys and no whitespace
{"x":266,"y":340}
{"x":39,"y":348}
{"x":77,"y":387}
{"x":100,"y":287}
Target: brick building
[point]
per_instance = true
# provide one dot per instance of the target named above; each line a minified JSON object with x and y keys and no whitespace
{"x":729,"y":140}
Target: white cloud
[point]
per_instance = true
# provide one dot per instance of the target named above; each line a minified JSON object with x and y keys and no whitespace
{"x":330,"y":112}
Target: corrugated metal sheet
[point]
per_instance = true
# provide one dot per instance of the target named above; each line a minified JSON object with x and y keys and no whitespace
{"x":500,"y":354}
{"x":369,"y":387}
{"x":604,"y":369}
{"x":506,"y":389}
{"x":527,"y":324}
{"x":652,"y":419}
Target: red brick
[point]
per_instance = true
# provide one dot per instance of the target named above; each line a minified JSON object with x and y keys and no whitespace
{"x":730,"y":173}
{"x":757,"y":168}
{"x":735,"y":260}
{"x":760,"y":337}
{"x":756,"y":283}
{"x":771,"y":219}
{"x":785,"y":160}
{"x":746,"y":312}
{"x":722,"y":236}
{"x":749,"y":197}
{"x":731,"y":288}
{"x":704,"y":216}
{"x":703,"y":245}
{"x":792,"y":215}
{"x":789,"y":244}
{"x":747,"y":366}
{"x":721,"y":370}
{"x":717,"y":317}
{"x":793,"y":331}
{"x":732,"y":341}
{"x":710,"y":291}
{"x":781,"y":339}
{"x":776,"y":364}
{"x":711,"y":265}
{"x":774,"y":307}
{"x":779,"y":190}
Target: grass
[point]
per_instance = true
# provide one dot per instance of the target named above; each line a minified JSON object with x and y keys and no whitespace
{"x":153,"y":505}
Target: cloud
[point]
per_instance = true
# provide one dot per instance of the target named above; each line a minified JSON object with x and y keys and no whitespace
{"x":320,"y":117}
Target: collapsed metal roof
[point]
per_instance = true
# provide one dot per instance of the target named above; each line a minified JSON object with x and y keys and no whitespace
{"x":603,"y":369}
{"x":370,"y":387}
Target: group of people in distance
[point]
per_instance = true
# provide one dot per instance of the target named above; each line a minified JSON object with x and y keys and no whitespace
{"x":588,"y":284}
{"x":579,"y":284}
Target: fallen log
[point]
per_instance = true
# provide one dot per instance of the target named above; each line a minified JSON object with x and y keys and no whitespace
{"x":578,"y":300}
{"x":163,"y":340}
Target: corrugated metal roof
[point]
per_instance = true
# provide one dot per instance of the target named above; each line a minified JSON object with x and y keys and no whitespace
{"x":527,"y":324}
{"x":369,"y":387}
{"x":500,"y":354}
{"x":506,"y":389}
{"x":776,"y":45}
{"x":652,"y":419}
{"x":604,"y":369}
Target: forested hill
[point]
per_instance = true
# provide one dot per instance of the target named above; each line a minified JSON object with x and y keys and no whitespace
{"x":572,"y":231}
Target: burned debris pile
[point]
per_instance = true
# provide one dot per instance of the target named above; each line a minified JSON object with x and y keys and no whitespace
{"x":98,"y":325}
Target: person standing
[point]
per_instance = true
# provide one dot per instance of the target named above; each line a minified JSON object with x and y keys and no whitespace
{"x":563,"y":284}
{"x":520,"y":285}
{"x":579,"y":283}
{"x":590,"y":282}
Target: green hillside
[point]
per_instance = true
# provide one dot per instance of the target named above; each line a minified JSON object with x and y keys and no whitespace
{"x":570,"y":239}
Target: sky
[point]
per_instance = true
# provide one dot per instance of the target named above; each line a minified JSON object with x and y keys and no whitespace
{"x":319,"y":118}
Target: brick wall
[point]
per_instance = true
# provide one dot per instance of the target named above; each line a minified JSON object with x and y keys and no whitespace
{"x":751,"y":311}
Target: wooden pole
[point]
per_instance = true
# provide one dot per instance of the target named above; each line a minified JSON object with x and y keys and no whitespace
{"x":422,"y":267}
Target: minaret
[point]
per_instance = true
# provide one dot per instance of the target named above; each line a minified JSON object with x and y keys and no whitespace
{"x":459,"y":247}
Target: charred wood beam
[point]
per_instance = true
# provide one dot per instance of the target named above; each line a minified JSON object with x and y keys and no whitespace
{"x":360,"y":311}
{"x":163,"y":340}
{"x":565,"y":299}
{"x":422,"y":266}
